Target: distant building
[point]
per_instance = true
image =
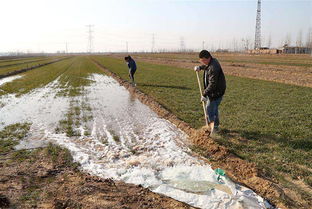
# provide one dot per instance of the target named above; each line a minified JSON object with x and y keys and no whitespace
{"x":296,"y":50}
{"x":264,"y":50}
{"x":284,"y":50}
{"x":222,"y":50}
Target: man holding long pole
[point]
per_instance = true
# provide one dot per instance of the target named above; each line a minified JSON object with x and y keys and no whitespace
{"x":214,"y":88}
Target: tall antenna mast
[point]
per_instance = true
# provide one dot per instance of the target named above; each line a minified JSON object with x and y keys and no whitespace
{"x":182,"y":44}
{"x":258,"y":27}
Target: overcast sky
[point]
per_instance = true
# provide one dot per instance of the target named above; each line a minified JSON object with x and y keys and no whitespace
{"x":46,"y":25}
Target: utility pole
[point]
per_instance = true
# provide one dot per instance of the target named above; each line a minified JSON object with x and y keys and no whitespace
{"x":258,"y":27}
{"x":153,"y":42}
{"x":66,"y":48}
{"x":203,"y":45}
{"x":127,"y":46}
{"x":90,"y":38}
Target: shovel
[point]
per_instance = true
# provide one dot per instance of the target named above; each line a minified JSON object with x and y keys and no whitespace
{"x":209,"y":125}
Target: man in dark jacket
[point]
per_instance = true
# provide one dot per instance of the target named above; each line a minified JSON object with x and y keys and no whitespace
{"x":132,"y":68}
{"x":214,"y":87}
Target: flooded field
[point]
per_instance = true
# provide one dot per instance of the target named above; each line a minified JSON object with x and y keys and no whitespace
{"x":9,"y":79}
{"x":113,"y":135}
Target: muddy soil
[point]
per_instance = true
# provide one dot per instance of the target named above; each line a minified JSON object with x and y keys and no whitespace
{"x":49,"y":180}
{"x":218,"y":156}
{"x":296,"y":75}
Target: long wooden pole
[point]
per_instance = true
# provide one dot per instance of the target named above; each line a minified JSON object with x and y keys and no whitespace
{"x":204,"y":105}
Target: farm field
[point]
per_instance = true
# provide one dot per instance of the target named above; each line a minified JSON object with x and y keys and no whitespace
{"x":290,"y":69}
{"x":267,"y":123}
{"x":271,"y":59}
{"x":21,"y":61}
{"x":14,"y":60}
{"x":110,"y":134}
{"x":102,"y":105}
{"x":7,"y":67}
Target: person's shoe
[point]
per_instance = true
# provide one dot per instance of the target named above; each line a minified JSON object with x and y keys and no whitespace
{"x":216,"y":129}
{"x":215,"y":134}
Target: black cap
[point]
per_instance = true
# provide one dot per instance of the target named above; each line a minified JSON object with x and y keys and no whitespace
{"x":204,"y":54}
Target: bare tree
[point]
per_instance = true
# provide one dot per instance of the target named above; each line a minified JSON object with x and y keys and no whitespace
{"x":246,"y":43}
{"x":309,"y":38}
{"x":288,"y":39}
{"x":234,"y":42}
{"x":299,"y":39}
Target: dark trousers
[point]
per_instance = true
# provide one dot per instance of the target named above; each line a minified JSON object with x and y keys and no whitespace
{"x":131,"y":75}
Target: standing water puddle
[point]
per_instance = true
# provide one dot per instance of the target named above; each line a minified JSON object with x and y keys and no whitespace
{"x":128,"y":142}
{"x":9,"y":79}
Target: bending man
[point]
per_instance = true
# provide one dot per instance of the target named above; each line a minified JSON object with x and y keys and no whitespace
{"x":132,"y":68}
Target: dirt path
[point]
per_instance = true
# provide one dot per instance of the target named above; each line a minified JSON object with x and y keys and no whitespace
{"x":218,"y":156}
{"x":301,"y":76}
{"x":47,"y":178}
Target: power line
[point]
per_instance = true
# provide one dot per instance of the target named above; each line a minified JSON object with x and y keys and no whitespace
{"x":90,"y":38}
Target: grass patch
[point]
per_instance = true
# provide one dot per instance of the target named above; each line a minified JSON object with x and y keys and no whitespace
{"x":10,"y":135}
{"x":11,"y":67}
{"x":79,"y":113}
{"x":58,"y":153}
{"x":32,"y":195}
{"x":36,"y":78}
{"x":21,"y":155}
{"x":72,"y":84}
{"x":116,"y":138}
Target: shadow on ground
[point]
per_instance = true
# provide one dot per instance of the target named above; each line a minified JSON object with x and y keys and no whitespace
{"x":165,"y":86}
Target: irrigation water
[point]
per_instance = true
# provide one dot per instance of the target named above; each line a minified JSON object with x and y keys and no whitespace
{"x":127,"y":142}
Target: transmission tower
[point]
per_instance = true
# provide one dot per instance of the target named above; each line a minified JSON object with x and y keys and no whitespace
{"x":258,"y":27}
{"x":182,"y":44}
{"x":90,"y":38}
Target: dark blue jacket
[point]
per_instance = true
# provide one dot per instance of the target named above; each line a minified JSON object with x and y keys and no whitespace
{"x":132,"y":65}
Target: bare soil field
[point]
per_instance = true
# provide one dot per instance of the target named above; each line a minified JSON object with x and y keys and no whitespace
{"x":49,"y":179}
